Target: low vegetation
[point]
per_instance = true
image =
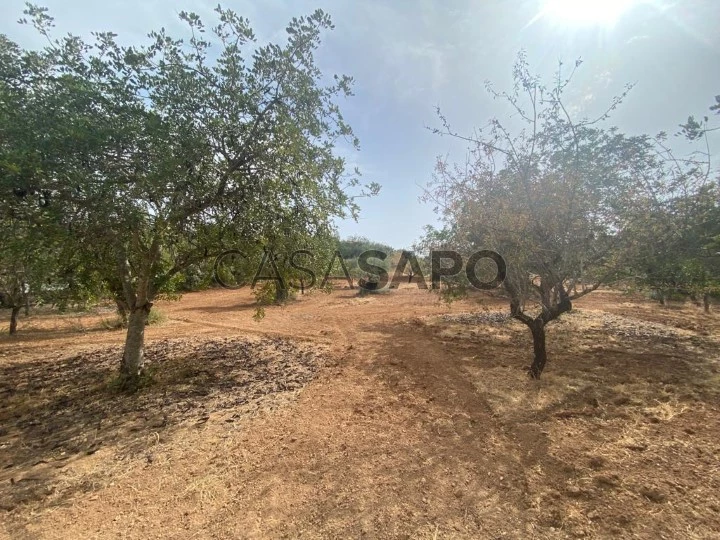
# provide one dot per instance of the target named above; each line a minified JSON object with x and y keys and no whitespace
{"x":190,"y":350}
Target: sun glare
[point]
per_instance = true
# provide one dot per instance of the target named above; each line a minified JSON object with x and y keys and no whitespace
{"x":586,"y":12}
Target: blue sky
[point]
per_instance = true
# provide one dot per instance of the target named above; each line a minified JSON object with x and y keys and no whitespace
{"x":408,"y":57}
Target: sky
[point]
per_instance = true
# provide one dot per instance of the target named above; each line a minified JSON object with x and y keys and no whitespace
{"x":409,"y":57}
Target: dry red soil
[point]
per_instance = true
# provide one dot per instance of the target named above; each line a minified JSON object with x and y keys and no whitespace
{"x":385,"y":416}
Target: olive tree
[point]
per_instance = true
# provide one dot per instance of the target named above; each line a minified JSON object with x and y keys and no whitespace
{"x":701,"y":223}
{"x":678,"y":243}
{"x":159,"y":155}
{"x":677,"y":246}
{"x":553,"y":195}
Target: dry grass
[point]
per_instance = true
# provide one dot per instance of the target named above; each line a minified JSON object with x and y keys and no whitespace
{"x":622,"y":426}
{"x":388,"y":416}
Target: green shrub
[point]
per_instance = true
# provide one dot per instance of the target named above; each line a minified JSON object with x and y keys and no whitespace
{"x":156,"y":317}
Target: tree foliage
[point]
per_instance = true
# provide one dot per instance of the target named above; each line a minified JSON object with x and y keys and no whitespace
{"x":556,"y":196}
{"x":158,"y":157}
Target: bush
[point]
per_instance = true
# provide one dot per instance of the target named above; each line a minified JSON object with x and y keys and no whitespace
{"x":156,"y":317}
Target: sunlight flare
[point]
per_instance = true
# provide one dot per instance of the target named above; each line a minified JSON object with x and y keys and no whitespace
{"x":586,"y":12}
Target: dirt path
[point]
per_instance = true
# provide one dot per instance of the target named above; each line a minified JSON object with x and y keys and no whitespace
{"x":418,"y":428}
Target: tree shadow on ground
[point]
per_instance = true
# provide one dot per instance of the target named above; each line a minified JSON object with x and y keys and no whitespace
{"x":56,"y":410}
{"x":211,"y":308}
{"x":618,"y":397}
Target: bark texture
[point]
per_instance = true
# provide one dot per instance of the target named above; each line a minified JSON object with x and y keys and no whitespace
{"x":13,"y":319}
{"x":132,"y":360}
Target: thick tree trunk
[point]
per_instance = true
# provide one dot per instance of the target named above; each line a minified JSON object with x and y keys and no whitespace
{"x":540,"y":359}
{"x":662,"y":298}
{"x":13,"y":319}
{"x":132,"y":360}
{"x":706,"y":303}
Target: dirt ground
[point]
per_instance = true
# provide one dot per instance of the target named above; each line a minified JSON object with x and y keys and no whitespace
{"x":385,"y":416}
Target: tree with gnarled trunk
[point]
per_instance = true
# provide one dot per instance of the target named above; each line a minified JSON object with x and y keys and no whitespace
{"x":554,"y":197}
{"x":164,"y":155}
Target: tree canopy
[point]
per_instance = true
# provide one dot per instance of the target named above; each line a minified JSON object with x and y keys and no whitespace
{"x":156,"y":157}
{"x":560,"y":198}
